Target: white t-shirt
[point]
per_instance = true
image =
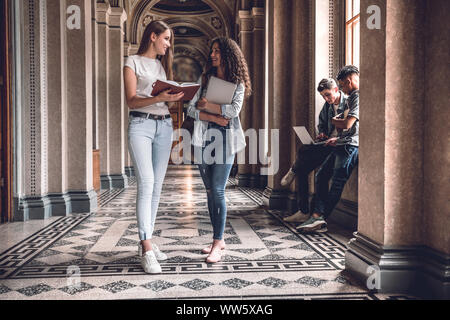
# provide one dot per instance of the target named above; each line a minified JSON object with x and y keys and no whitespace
{"x":147,"y":71}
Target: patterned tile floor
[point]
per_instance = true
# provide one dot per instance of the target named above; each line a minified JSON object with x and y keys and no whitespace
{"x":94,"y":256}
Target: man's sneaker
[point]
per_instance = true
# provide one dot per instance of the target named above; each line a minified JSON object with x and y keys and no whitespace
{"x":298,"y":217}
{"x":323,"y":229}
{"x":313,"y":224}
{"x":288,"y":178}
{"x":160,"y":256}
{"x":149,"y":263}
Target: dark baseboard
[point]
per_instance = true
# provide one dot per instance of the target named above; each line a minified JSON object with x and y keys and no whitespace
{"x":275,"y":199}
{"x":83,"y":201}
{"x":129,"y":171}
{"x":119,"y":181}
{"x":61,"y":205}
{"x":105,"y":182}
{"x":416,"y":270}
{"x":54,"y":205}
{"x":244,"y":180}
{"x":33,"y":208}
{"x":345,"y":215}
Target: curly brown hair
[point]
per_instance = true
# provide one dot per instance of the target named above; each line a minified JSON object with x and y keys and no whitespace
{"x":233,"y":62}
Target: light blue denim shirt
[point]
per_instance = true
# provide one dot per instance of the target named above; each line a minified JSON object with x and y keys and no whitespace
{"x":235,"y":134}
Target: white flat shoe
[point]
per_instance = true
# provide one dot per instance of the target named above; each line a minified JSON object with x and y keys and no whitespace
{"x":160,"y":256}
{"x":150,"y":264}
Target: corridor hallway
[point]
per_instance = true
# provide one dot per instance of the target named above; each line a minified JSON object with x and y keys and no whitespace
{"x":264,"y":259}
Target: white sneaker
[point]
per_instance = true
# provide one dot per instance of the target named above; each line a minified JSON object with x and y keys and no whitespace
{"x":149,"y":263}
{"x":297,"y":217}
{"x":288,"y":178}
{"x":160,"y":256}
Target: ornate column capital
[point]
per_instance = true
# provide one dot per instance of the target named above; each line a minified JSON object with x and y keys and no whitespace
{"x":258,"y":18}
{"x":117,"y":17}
{"x":245,"y":20}
{"x":102,"y":13}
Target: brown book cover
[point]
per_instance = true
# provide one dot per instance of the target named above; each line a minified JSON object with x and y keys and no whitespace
{"x":189,"y":89}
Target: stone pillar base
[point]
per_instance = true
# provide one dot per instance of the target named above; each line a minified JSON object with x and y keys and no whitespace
{"x":275,"y":199}
{"x":83,"y":201}
{"x":119,"y":181}
{"x":33,"y":208}
{"x":61,"y":205}
{"x":291,"y":204}
{"x":346,"y":215}
{"x":244,"y":179}
{"x":419,"y":270}
{"x":105,"y":182}
{"x":129,"y":171}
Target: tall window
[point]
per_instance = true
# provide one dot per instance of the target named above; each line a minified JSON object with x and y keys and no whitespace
{"x":352,"y":35}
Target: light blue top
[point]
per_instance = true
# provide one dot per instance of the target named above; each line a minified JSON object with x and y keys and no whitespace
{"x":235,"y":135}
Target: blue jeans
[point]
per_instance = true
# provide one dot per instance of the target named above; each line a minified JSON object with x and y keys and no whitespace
{"x":215,"y":177}
{"x":150,"y":144}
{"x":338,"y":167}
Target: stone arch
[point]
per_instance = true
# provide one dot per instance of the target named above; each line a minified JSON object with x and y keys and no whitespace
{"x":219,"y":7}
{"x":196,"y":24}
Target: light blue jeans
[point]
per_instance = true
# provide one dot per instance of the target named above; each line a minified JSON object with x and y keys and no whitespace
{"x":150,"y":145}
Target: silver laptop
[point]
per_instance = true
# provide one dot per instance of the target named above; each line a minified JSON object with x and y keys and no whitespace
{"x":305,"y":137}
{"x":220,"y":91}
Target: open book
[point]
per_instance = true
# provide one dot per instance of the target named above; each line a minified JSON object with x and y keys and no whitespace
{"x":189,"y":89}
{"x":220,"y":91}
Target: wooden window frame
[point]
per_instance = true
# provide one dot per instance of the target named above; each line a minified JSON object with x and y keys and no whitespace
{"x":6,"y":114}
{"x":349,"y":24}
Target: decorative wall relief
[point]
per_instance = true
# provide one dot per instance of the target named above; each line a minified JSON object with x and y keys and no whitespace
{"x":216,"y":23}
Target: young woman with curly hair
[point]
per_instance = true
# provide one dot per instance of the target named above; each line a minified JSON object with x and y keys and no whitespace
{"x":218,"y":133}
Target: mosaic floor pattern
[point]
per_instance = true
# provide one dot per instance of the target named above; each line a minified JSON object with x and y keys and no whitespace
{"x":94,"y":256}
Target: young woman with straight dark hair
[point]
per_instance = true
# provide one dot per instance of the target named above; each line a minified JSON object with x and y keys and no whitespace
{"x":150,"y":131}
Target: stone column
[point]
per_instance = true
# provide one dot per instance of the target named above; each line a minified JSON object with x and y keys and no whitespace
{"x":246,"y":44}
{"x":34,"y":203}
{"x":289,"y":82}
{"x":302,"y":111}
{"x":116,"y":98}
{"x":258,"y":118}
{"x":57,"y":109}
{"x":280,"y":98}
{"x":79,"y":113}
{"x":393,"y":199}
{"x":102,"y":92}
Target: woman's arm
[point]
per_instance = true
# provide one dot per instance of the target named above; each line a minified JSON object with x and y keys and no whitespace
{"x":228,"y":111}
{"x":221,"y":121}
{"x":135,"y":102}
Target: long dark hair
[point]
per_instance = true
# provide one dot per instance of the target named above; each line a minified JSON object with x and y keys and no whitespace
{"x":233,"y":62}
{"x":157,"y":27}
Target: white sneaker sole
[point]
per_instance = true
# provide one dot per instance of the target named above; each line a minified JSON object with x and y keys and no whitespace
{"x":314,"y":226}
{"x":151,"y":271}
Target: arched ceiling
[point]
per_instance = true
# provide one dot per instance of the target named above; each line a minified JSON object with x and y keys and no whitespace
{"x":195,"y":24}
